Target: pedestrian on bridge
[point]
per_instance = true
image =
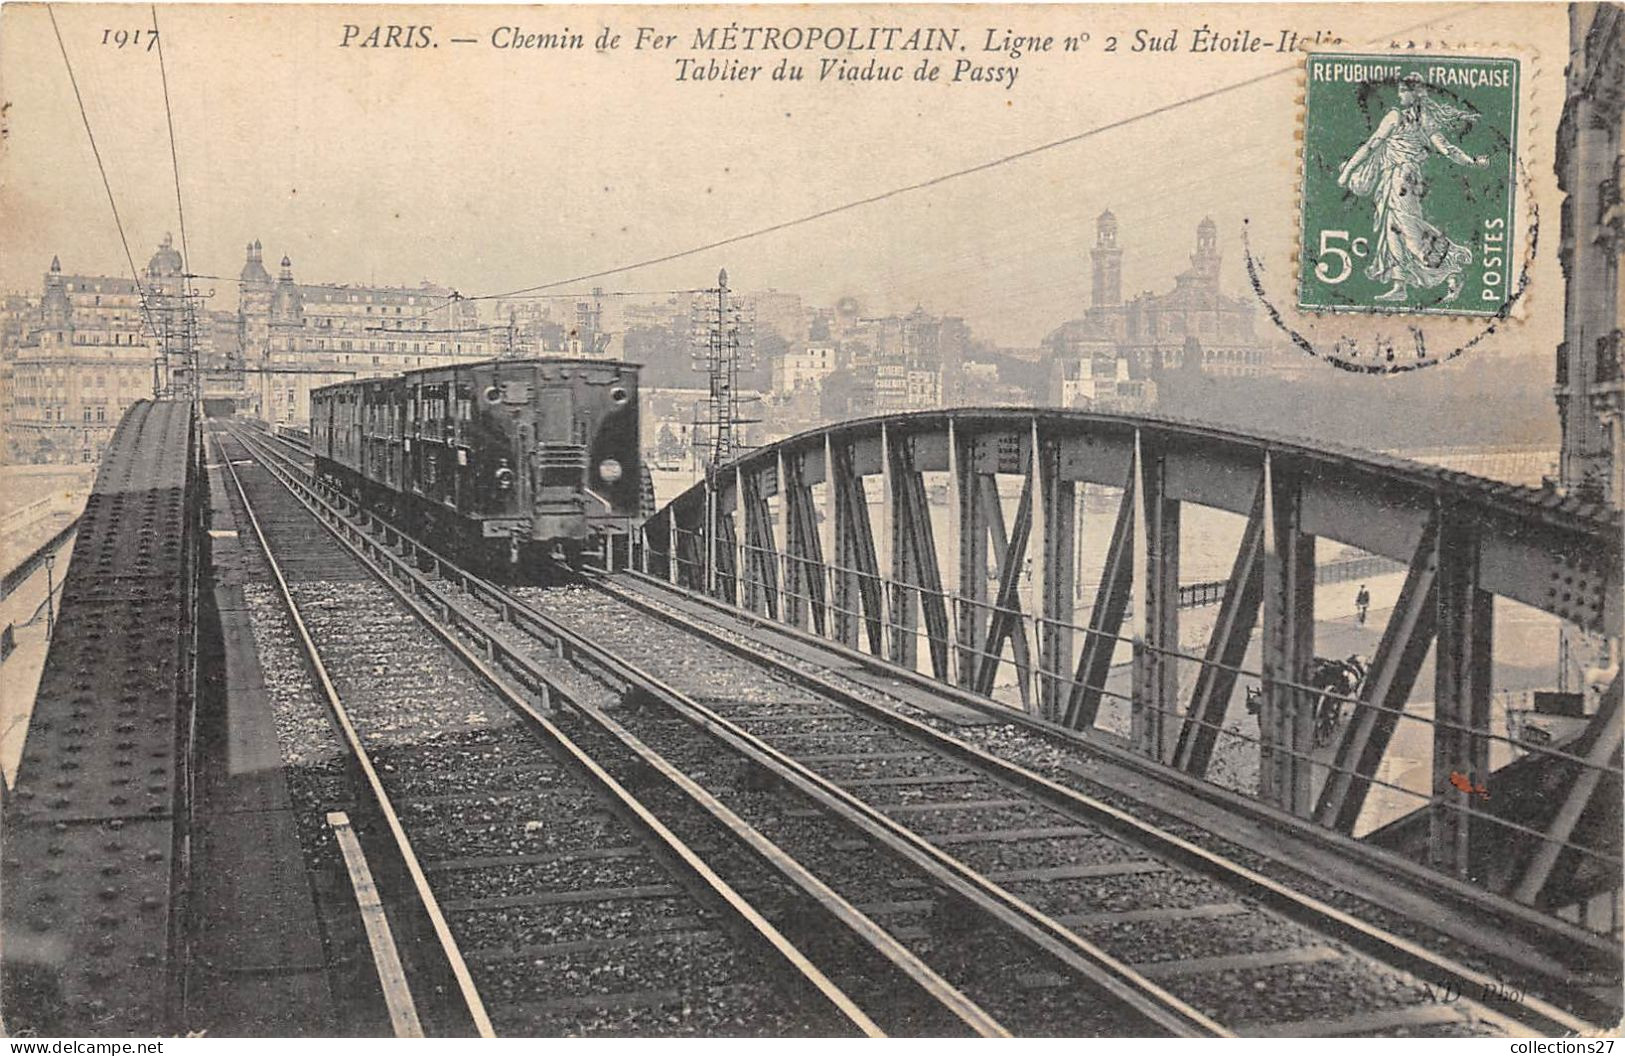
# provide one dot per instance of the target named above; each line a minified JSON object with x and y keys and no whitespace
{"x":1362,"y":603}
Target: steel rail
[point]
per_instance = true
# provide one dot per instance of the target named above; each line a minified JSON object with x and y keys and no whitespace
{"x":472,"y":1003}
{"x":1152,"y":1002}
{"x":364,"y":548}
{"x":1390,"y":948}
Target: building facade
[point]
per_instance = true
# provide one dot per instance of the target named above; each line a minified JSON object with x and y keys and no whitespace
{"x":93,"y":346}
{"x":1589,"y":141}
{"x":297,"y":337}
{"x":803,"y":367}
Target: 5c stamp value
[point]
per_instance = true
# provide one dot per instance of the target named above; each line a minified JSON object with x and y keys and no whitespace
{"x":1409,"y":172}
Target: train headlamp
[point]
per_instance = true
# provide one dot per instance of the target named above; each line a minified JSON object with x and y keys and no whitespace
{"x":504,"y":477}
{"x":609,"y":470}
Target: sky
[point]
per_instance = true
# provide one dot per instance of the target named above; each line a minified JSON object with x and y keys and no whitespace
{"x":491,"y":169}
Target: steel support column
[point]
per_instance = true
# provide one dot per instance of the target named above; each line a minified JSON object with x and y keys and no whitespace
{"x":1226,"y":648}
{"x":1286,"y":721}
{"x":1057,"y":591}
{"x":1156,"y":688}
{"x":952,"y":584}
{"x":902,"y":601}
{"x":726,"y":552}
{"x":761,"y":556}
{"x":673,"y":567}
{"x":793,"y":604}
{"x":713,"y":535}
{"x":973,"y":532}
{"x":741,"y":538}
{"x":1461,"y":694}
{"x":829,"y":553}
{"x":804,"y":556}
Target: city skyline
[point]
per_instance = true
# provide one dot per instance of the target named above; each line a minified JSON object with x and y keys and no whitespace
{"x":498,"y":189}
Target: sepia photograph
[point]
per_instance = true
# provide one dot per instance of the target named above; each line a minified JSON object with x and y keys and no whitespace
{"x":811,"y":521}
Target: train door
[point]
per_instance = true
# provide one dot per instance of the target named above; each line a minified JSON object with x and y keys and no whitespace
{"x":413,"y":436}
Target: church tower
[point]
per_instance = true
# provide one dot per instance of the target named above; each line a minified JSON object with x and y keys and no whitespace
{"x":1107,"y":291}
{"x":1205,"y":261}
{"x":56,"y":309}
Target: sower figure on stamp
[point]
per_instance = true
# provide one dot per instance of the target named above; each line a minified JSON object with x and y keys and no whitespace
{"x":1388,"y":168}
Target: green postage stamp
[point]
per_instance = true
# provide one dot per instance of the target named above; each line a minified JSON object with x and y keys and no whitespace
{"x":1409,"y":172}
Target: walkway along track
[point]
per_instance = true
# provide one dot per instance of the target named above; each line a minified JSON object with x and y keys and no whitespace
{"x":905,"y":994}
{"x":1072,"y":880}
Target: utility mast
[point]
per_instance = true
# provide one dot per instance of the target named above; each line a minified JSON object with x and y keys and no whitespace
{"x":178,"y":368}
{"x":720,"y":352}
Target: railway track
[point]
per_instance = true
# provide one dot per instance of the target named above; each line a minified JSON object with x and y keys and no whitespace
{"x":557,"y":903}
{"x":1153,"y":921}
{"x":985,"y":958}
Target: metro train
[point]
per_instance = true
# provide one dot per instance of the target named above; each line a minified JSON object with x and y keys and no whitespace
{"x":503,"y":464}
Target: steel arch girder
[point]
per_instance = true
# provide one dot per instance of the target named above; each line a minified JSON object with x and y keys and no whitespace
{"x":1555,"y":554}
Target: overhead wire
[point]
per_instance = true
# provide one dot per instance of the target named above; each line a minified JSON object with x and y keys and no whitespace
{"x":934,"y":181}
{"x":190,"y":349}
{"x":141,"y":292}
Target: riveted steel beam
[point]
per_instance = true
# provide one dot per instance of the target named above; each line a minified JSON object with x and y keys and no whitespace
{"x":1105,"y":618}
{"x":804,"y":554}
{"x":1156,"y":669}
{"x":973,"y":532}
{"x":1554,"y":553}
{"x":761,"y":560}
{"x":1384,"y":693}
{"x":916,"y":571}
{"x":1226,"y":648}
{"x":1057,"y":590}
{"x":857,"y":579}
{"x":726,"y":553}
{"x":1286,"y":719}
{"x":1009,"y":553}
{"x":1461,"y":693}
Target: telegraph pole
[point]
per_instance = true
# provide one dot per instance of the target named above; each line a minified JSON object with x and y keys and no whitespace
{"x":720,"y":351}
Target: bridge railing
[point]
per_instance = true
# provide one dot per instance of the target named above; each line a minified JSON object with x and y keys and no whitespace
{"x":1523,"y":818}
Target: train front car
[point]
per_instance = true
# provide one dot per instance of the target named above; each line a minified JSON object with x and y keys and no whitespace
{"x":574,"y":423}
{"x":504,"y":465}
